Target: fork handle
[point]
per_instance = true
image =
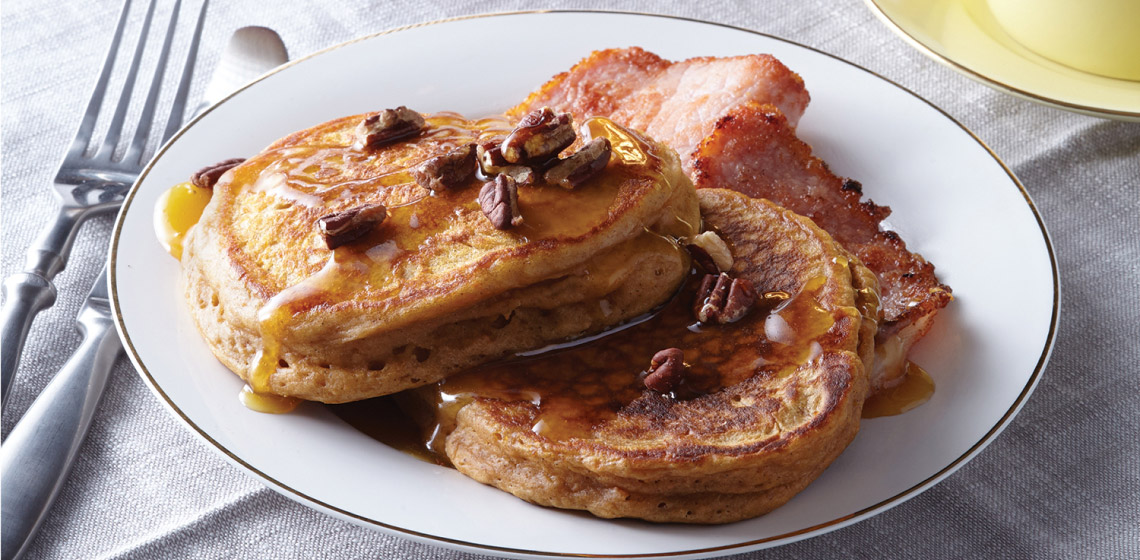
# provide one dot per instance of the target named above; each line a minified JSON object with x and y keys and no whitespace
{"x":29,"y":292}
{"x":36,"y":457}
{"x":25,"y":295}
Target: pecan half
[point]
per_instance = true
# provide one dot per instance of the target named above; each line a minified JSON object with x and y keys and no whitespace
{"x":449,"y":171}
{"x":499,"y":199}
{"x":723,"y":299}
{"x":580,"y":166}
{"x":539,"y":137}
{"x":208,"y":176}
{"x":388,"y":126}
{"x":666,"y":371}
{"x":710,"y":252}
{"x":340,"y":228}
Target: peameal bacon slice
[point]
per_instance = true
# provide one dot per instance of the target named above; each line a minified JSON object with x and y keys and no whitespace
{"x":733,"y":121}
{"x":675,"y":102}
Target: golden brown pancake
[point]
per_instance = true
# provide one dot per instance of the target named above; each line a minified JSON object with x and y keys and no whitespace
{"x":768,"y":402}
{"x":435,"y":288}
{"x":732,"y":121}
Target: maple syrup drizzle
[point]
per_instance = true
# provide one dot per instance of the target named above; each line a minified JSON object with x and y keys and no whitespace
{"x":181,"y":206}
{"x":411,"y":425}
{"x":267,"y":402}
{"x":915,"y":389}
{"x":576,"y":388}
{"x":175,"y":212}
{"x":309,"y":177}
{"x":547,"y":212}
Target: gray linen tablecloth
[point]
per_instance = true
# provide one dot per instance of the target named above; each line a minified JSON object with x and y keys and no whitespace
{"x":1063,"y":481}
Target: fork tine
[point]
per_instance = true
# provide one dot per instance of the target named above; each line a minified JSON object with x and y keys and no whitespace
{"x":83,"y":136}
{"x":114,"y":132}
{"x":178,"y":108}
{"x":142,"y":131}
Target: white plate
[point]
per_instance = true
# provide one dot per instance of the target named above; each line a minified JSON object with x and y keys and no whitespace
{"x":954,"y":202}
{"x":965,"y":35}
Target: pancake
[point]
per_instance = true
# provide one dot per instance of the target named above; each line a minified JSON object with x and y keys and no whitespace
{"x":435,"y":287}
{"x":766,"y":403}
{"x":732,"y":121}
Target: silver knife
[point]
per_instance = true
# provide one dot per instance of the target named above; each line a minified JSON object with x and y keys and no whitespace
{"x":37,"y":455}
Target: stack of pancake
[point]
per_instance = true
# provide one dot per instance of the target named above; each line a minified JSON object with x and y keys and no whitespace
{"x":525,"y":351}
{"x":768,"y":401}
{"x":434,"y":289}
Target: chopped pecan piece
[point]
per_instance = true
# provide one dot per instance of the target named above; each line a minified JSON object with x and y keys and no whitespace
{"x":522,"y":174}
{"x":666,"y":371}
{"x":499,"y":200}
{"x":491,"y":161}
{"x":448,"y":171}
{"x":490,"y":154}
{"x":388,"y":126}
{"x":340,"y":228}
{"x":208,"y":176}
{"x":710,"y":252}
{"x":539,"y":137}
{"x":702,"y":259}
{"x":580,"y":166}
{"x":723,"y":299}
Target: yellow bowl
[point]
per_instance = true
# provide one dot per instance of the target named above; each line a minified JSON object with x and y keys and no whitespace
{"x":1097,"y":36}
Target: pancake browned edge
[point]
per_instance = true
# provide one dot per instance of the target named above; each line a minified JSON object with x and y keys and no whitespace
{"x":435,"y":288}
{"x":767,"y":404}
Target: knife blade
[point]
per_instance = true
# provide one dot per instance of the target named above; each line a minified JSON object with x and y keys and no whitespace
{"x":251,"y":52}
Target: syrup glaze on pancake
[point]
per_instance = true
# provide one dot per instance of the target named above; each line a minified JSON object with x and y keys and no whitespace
{"x":732,"y":120}
{"x":768,"y":402}
{"x":423,"y":294}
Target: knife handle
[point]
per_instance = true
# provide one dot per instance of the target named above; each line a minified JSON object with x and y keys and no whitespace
{"x":29,"y":292}
{"x":36,"y":457}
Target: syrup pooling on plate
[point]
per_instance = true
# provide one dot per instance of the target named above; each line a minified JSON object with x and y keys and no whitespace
{"x":175,"y":212}
{"x":915,"y":388}
{"x":266,"y":402}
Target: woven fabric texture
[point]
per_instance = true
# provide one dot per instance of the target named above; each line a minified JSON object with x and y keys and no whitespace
{"x":1062,"y":481}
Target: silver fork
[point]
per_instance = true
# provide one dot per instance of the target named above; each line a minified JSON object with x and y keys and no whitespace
{"x":87,"y":186}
